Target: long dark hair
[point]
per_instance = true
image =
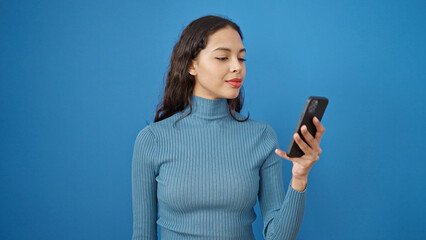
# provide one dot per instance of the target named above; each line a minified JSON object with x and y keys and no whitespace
{"x":179,"y":83}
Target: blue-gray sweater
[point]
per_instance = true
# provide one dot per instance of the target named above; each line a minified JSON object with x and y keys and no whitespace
{"x":202,"y":178}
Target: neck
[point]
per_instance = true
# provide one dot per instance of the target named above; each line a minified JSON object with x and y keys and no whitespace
{"x":208,"y":108}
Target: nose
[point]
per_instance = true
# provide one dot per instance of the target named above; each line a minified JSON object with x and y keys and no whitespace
{"x":236,"y":65}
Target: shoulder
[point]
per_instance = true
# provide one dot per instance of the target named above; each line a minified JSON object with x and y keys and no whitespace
{"x":266,"y":132}
{"x":153,"y":129}
{"x":262,"y":126}
{"x":145,"y":137}
{"x":269,"y":135}
{"x":260,"y":129}
{"x":252,"y":123}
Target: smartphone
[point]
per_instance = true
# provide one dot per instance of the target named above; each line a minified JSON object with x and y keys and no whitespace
{"x":314,"y":107}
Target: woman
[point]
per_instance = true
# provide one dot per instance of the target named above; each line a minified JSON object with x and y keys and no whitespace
{"x":201,"y":165}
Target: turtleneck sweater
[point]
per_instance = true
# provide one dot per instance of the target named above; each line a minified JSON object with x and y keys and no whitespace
{"x":200,"y":177}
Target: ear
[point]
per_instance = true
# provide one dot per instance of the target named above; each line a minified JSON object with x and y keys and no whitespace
{"x":191,"y":68}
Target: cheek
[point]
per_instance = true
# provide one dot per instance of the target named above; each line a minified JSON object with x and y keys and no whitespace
{"x":214,"y":72}
{"x":243,"y":72}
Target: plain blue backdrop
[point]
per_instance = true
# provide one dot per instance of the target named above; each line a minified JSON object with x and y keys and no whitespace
{"x":80,"y":79}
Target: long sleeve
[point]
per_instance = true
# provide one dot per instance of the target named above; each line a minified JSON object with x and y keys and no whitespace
{"x":144,"y":188}
{"x":282,"y":215}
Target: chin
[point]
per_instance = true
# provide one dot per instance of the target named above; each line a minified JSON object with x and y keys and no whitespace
{"x":232,"y":95}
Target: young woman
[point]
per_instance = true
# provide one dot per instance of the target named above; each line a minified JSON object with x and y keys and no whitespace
{"x":200,"y":165}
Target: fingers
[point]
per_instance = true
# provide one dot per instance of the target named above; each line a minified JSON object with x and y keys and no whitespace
{"x":320,"y":129}
{"x":283,"y":154}
{"x":310,"y":148}
{"x":313,"y":147}
{"x":307,"y":150}
{"x":304,"y":161}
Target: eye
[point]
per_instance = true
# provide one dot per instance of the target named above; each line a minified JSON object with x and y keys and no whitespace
{"x":222,"y":58}
{"x":242,"y":59}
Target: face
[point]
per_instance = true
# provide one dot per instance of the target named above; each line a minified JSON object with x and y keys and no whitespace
{"x":220,"y":61}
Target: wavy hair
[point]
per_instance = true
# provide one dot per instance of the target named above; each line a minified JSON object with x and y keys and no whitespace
{"x":179,"y":83}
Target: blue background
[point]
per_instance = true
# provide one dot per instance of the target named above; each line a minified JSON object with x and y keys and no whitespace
{"x":79,"y":79}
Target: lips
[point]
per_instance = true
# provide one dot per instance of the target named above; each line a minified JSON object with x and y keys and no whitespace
{"x":236,"y":82}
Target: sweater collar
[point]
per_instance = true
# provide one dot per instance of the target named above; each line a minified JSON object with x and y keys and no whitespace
{"x":208,"y":108}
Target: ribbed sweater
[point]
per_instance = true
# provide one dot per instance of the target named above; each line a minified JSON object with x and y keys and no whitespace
{"x":201,"y":178}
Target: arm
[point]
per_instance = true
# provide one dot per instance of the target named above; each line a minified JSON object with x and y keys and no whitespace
{"x":282,"y":214}
{"x":302,"y":165}
{"x":144,"y":187}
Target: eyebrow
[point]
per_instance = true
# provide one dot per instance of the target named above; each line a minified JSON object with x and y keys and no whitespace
{"x":227,"y":49}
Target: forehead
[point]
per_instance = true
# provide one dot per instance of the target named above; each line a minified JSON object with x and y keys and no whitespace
{"x":226,"y":37}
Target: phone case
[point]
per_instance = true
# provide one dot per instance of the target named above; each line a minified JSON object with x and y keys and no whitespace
{"x":314,"y":107}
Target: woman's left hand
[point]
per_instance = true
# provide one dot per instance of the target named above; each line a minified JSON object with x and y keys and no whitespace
{"x":302,"y":165}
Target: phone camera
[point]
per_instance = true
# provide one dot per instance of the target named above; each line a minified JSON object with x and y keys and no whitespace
{"x":313,"y":106}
